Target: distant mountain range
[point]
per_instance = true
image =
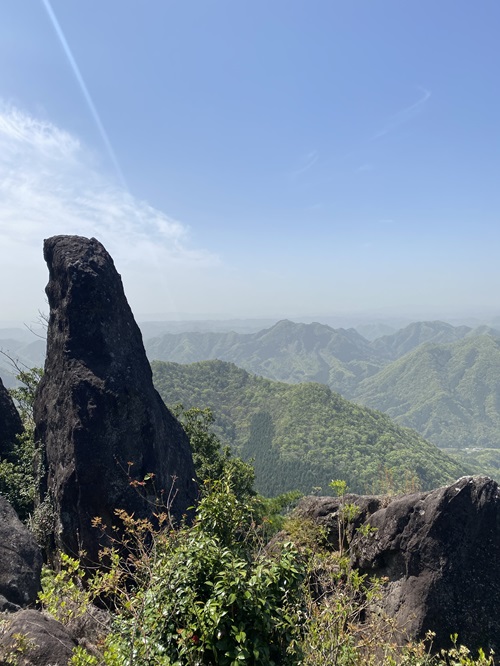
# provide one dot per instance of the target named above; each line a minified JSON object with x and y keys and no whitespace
{"x":440,"y":379}
{"x":287,"y":352}
{"x":304,"y":435}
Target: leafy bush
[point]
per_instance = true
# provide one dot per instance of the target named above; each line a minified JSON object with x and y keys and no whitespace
{"x":205,"y":594}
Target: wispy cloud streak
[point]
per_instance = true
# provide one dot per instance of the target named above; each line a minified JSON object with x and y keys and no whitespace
{"x":405,"y":115}
{"x":83,"y":87}
{"x":309,"y":161}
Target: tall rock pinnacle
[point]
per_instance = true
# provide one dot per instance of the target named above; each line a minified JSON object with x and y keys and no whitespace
{"x":97,"y":414}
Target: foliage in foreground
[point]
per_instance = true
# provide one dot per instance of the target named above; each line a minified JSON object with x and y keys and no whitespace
{"x":205,"y":594}
{"x":20,"y":471}
{"x":211,"y":594}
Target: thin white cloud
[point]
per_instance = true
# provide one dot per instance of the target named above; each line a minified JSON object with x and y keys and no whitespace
{"x":405,"y":115}
{"x":48,"y":186}
{"x":365,"y":167}
{"x":308,"y":162}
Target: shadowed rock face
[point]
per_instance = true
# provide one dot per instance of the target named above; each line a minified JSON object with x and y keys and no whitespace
{"x":20,"y":561}
{"x":439,"y":552}
{"x":96,"y":411}
{"x":10,"y":423}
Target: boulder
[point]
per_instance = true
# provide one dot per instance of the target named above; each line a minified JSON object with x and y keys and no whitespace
{"x":37,"y":640}
{"x":440,"y":553}
{"x":20,"y":561}
{"x":102,"y":425}
{"x":10,"y":423}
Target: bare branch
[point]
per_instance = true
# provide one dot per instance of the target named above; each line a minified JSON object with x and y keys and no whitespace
{"x":43,"y":321}
{"x":15,"y":363}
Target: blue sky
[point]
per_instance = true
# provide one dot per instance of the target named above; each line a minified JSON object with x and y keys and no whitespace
{"x":263,"y":158}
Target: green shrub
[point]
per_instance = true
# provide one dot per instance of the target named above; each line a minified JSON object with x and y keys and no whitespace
{"x":206,"y":594}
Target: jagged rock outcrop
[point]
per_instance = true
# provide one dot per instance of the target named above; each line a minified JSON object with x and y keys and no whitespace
{"x":10,"y":423}
{"x":440,"y":551}
{"x":20,"y":561}
{"x":440,"y":554}
{"x":96,"y":412}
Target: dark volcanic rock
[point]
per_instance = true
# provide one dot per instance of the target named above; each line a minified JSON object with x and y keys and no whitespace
{"x":20,"y":561}
{"x":96,"y":410}
{"x":48,"y":642}
{"x":10,"y":423}
{"x":440,"y":551}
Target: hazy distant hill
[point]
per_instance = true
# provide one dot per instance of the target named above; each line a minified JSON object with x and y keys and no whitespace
{"x":152,"y":329}
{"x":304,"y":435}
{"x":405,"y":340}
{"x":450,"y":393}
{"x":26,"y":354}
{"x":286,"y":352}
{"x":291,"y":352}
{"x":374,"y":331}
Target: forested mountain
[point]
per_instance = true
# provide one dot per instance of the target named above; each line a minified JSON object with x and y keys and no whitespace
{"x":304,"y":435}
{"x":450,"y":393}
{"x":286,"y":352}
{"x":294,"y":352}
{"x":441,"y":380}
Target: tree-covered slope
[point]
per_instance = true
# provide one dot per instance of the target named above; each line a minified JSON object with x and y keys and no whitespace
{"x":450,"y":393}
{"x":302,"y":436}
{"x":287,"y":351}
{"x":480,"y":461}
{"x":439,"y":379}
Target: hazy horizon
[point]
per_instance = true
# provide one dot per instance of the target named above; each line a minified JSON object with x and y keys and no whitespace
{"x":270,"y":160}
{"x":33,"y":325}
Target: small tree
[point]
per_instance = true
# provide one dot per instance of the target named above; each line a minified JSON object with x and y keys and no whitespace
{"x":20,"y":472}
